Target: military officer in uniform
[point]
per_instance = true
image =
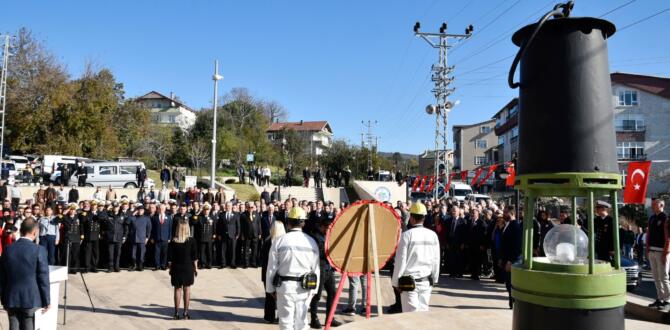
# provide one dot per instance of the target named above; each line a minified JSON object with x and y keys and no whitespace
{"x":116,"y":230}
{"x":604,"y":232}
{"x":292,"y":273}
{"x":72,"y":238}
{"x":205,"y":235}
{"x":417,"y":263}
{"x":91,"y":229}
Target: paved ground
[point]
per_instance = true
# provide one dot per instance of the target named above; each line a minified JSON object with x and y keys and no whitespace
{"x":233,"y":299}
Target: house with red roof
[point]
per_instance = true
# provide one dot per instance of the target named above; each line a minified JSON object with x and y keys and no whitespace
{"x":319,"y":134}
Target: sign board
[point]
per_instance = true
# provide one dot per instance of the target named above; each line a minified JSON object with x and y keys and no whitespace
{"x":349,"y":241}
{"x":191,"y":180}
{"x":250,"y":158}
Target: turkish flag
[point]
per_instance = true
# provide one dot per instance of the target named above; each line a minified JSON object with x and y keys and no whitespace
{"x":464,"y":175}
{"x":636,"y":182}
{"x":511,"y":175}
{"x":423,"y":183}
{"x":415,"y":184}
{"x":492,"y":169}
{"x":451,"y":176}
{"x":431,"y":183}
{"x":477,"y":174}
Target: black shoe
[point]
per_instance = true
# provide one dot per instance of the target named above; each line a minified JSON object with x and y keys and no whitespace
{"x":85,"y":271}
{"x":187,"y":316}
{"x":131,"y":268}
{"x":315,"y":324}
{"x":663,"y":305}
{"x":140,"y":269}
{"x":656,"y":303}
{"x":155,"y":269}
{"x":109,"y":270}
{"x":176,"y":316}
{"x":335,"y":323}
{"x":94,"y":270}
{"x":394,"y":309}
{"x":348,"y":311}
{"x":116,"y":270}
{"x":511,"y":303}
{"x":475,"y":278}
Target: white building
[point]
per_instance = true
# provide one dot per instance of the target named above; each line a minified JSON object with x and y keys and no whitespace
{"x":167,"y":111}
{"x":318,"y":134}
{"x":642,"y":124}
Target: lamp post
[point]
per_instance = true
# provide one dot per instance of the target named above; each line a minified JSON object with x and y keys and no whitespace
{"x":216,"y":77}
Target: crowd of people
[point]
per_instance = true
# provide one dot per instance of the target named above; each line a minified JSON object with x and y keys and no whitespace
{"x":203,"y":228}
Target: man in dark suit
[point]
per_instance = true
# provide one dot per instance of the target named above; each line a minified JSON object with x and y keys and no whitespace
{"x":140,"y":230}
{"x":251,"y":234}
{"x":205,"y":234}
{"x":510,"y":249}
{"x":267,"y":220}
{"x":161,"y":233}
{"x":24,"y":278}
{"x":228,"y":231}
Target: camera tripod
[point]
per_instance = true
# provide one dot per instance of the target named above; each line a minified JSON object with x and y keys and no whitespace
{"x":88,"y":293}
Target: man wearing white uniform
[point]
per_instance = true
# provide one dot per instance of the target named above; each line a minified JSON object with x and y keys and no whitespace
{"x":417,"y":263}
{"x":292,"y":274}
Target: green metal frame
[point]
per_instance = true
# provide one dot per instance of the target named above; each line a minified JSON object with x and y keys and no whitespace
{"x":592,"y":286}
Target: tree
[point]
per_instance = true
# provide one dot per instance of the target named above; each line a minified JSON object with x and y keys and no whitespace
{"x":157,"y":145}
{"x":338,"y":156}
{"x":295,"y":147}
{"x":198,"y":153}
{"x":273,"y":111}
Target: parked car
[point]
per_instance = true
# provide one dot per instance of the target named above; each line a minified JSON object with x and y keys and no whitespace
{"x":116,"y":174}
{"x":633,"y":273}
{"x":477,"y":197}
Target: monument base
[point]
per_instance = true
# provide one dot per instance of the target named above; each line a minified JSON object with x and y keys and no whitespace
{"x":528,"y":316}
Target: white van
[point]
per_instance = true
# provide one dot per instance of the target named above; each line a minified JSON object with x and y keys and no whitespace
{"x":459,"y":190}
{"x":116,"y":174}
{"x":51,"y":163}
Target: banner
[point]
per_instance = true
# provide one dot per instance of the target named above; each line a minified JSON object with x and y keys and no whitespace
{"x":464,"y":175}
{"x":477,"y":174}
{"x":492,"y":169}
{"x":637,"y":180}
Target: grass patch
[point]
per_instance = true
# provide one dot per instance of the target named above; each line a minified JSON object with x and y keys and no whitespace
{"x":244,"y":192}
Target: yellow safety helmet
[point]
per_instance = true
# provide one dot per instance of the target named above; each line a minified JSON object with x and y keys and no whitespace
{"x":297,"y":213}
{"x":418,"y":208}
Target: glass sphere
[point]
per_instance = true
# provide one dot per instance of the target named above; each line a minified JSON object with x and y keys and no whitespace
{"x":566,"y":244}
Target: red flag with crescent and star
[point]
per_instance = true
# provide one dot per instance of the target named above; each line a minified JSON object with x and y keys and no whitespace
{"x":477,"y":174}
{"x":636,"y":182}
{"x":452,"y":175}
{"x":511,"y":174}
{"x":464,"y":175}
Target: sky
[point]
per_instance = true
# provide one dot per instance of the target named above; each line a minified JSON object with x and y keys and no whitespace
{"x":343,"y":61}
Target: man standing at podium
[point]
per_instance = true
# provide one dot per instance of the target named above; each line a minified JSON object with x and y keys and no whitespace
{"x":24,"y":278}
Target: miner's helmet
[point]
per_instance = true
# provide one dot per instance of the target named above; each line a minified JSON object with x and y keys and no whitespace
{"x":297,"y":213}
{"x":418,"y":209}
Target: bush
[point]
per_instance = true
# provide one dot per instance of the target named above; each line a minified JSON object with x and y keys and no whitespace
{"x":277,"y":181}
{"x":229,"y":181}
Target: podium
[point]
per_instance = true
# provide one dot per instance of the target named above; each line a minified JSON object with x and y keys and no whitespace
{"x":49,"y":320}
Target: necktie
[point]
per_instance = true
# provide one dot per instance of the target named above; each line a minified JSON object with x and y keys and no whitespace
{"x":162,"y":219}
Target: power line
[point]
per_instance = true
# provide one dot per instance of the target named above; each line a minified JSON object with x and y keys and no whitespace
{"x":488,"y":24}
{"x":617,"y":8}
{"x":644,"y":19}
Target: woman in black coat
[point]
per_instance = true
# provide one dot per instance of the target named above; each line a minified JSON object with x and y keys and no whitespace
{"x":276,"y":230}
{"x":183,"y":265}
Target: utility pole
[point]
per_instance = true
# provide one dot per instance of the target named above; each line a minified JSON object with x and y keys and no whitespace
{"x":369,"y":137}
{"x":441,"y":91}
{"x":216,"y":77}
{"x":3,"y":92}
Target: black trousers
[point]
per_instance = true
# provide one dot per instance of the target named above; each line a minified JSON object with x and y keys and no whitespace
{"x":206,"y":254}
{"x":477,"y":256}
{"x":269,"y":313}
{"x":228,"y":252}
{"x":21,"y":318}
{"x":160,"y":253}
{"x":114,"y":255}
{"x":250,"y":253}
{"x":91,"y":254}
{"x":327,"y":283}
{"x":455,"y":260}
{"x":81,"y":181}
{"x":73,"y":261}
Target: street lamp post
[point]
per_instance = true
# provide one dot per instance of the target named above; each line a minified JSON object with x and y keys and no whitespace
{"x":216,"y":77}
